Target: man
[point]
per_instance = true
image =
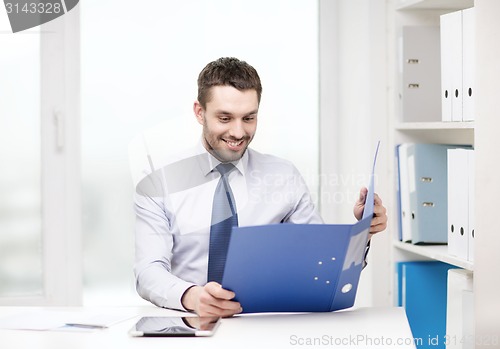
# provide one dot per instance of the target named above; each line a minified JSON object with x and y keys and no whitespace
{"x":176,"y":204}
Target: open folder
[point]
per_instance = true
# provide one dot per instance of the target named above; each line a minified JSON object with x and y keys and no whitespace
{"x":298,"y":267}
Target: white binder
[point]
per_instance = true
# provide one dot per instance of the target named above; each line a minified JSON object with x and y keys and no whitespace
{"x":451,"y":66}
{"x":472,"y":221}
{"x":468,"y":323}
{"x":446,"y":68}
{"x":457,"y":309}
{"x":458,"y":180}
{"x":420,"y":63}
{"x":468,"y":87}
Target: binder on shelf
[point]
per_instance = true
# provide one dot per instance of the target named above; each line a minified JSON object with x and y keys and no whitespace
{"x":451,"y":66}
{"x":461,"y":203}
{"x":446,"y":68}
{"x":468,"y":319}
{"x":471,"y":229}
{"x":420,"y":96}
{"x":403,"y":193}
{"x":458,"y":188}
{"x":398,"y":194}
{"x":458,"y":65}
{"x":458,"y":310}
{"x":469,"y":61}
{"x":423,"y":288}
{"x":399,"y":284}
{"x":427,"y":170}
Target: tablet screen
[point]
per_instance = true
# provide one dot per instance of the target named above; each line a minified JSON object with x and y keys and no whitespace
{"x":160,"y":326}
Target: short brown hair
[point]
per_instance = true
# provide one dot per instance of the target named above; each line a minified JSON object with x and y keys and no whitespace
{"x":227,"y":71}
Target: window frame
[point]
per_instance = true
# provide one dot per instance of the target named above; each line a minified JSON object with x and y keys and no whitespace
{"x":60,"y":161}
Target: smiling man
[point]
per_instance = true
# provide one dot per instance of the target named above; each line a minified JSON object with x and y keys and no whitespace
{"x":185,"y":210}
{"x":229,"y":121}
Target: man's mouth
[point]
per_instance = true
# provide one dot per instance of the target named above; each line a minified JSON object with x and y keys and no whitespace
{"x":234,"y":145}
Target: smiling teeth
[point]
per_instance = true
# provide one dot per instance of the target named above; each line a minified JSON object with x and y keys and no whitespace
{"x":234,"y":144}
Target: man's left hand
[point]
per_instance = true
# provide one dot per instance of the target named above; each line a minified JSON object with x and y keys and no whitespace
{"x":379,"y":221}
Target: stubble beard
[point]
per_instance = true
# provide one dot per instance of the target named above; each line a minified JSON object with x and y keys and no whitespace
{"x":223,"y":155}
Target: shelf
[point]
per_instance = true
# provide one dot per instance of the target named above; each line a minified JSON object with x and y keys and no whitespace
{"x":459,"y":133}
{"x":434,"y":4}
{"x":436,"y":252}
{"x":437,"y":125}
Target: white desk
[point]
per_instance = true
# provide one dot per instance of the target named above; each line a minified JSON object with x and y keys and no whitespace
{"x":355,"y":328}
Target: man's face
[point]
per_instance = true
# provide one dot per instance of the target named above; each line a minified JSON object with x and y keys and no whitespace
{"x":229,"y":121}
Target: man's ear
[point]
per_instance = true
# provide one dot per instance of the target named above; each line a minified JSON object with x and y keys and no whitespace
{"x":199,"y":112}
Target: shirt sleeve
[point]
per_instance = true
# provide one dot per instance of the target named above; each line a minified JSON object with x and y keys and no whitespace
{"x":367,"y":249}
{"x":153,"y":249}
{"x":303,"y":209}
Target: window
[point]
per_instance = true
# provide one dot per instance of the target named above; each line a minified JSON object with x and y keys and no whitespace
{"x":40,"y":250}
{"x":20,"y":164}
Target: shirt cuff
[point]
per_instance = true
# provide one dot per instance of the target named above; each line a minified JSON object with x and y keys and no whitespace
{"x":367,"y":249}
{"x":174,"y":295}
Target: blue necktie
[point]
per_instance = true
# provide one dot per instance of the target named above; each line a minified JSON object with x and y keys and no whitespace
{"x":224,"y":217}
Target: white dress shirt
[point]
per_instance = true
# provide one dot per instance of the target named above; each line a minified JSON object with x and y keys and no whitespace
{"x":174,"y":208}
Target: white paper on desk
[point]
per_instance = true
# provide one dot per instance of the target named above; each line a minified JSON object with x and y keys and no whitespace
{"x":44,"y":320}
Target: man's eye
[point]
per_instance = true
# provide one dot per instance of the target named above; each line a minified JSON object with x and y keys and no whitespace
{"x":249,"y":118}
{"x":224,"y":119}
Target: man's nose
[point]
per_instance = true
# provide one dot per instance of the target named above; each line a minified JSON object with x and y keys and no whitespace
{"x":237,"y":129}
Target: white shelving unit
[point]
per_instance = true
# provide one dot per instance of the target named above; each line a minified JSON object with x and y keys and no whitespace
{"x":435,"y":132}
{"x":425,"y":12}
{"x":433,"y":252}
{"x":433,"y":4}
{"x":429,"y":126}
{"x":482,"y":134}
{"x":420,"y":13}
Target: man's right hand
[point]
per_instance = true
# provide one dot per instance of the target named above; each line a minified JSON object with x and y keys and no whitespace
{"x":211,"y":300}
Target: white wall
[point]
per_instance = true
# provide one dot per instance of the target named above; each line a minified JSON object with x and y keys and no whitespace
{"x":353,"y":118}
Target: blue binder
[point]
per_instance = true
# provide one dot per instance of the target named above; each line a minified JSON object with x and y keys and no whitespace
{"x":399,"y":193}
{"x":427,"y":169}
{"x":298,"y":267}
{"x":422,"y":291}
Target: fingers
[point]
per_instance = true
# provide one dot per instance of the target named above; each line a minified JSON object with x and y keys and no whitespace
{"x":378,"y":208}
{"x":379,"y":221}
{"x":362,"y":196}
{"x":378,"y":224}
{"x":215,"y":289}
{"x":216,"y":301}
{"x":360,"y":203}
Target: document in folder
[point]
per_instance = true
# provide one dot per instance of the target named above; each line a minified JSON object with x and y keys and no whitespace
{"x":298,"y":267}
